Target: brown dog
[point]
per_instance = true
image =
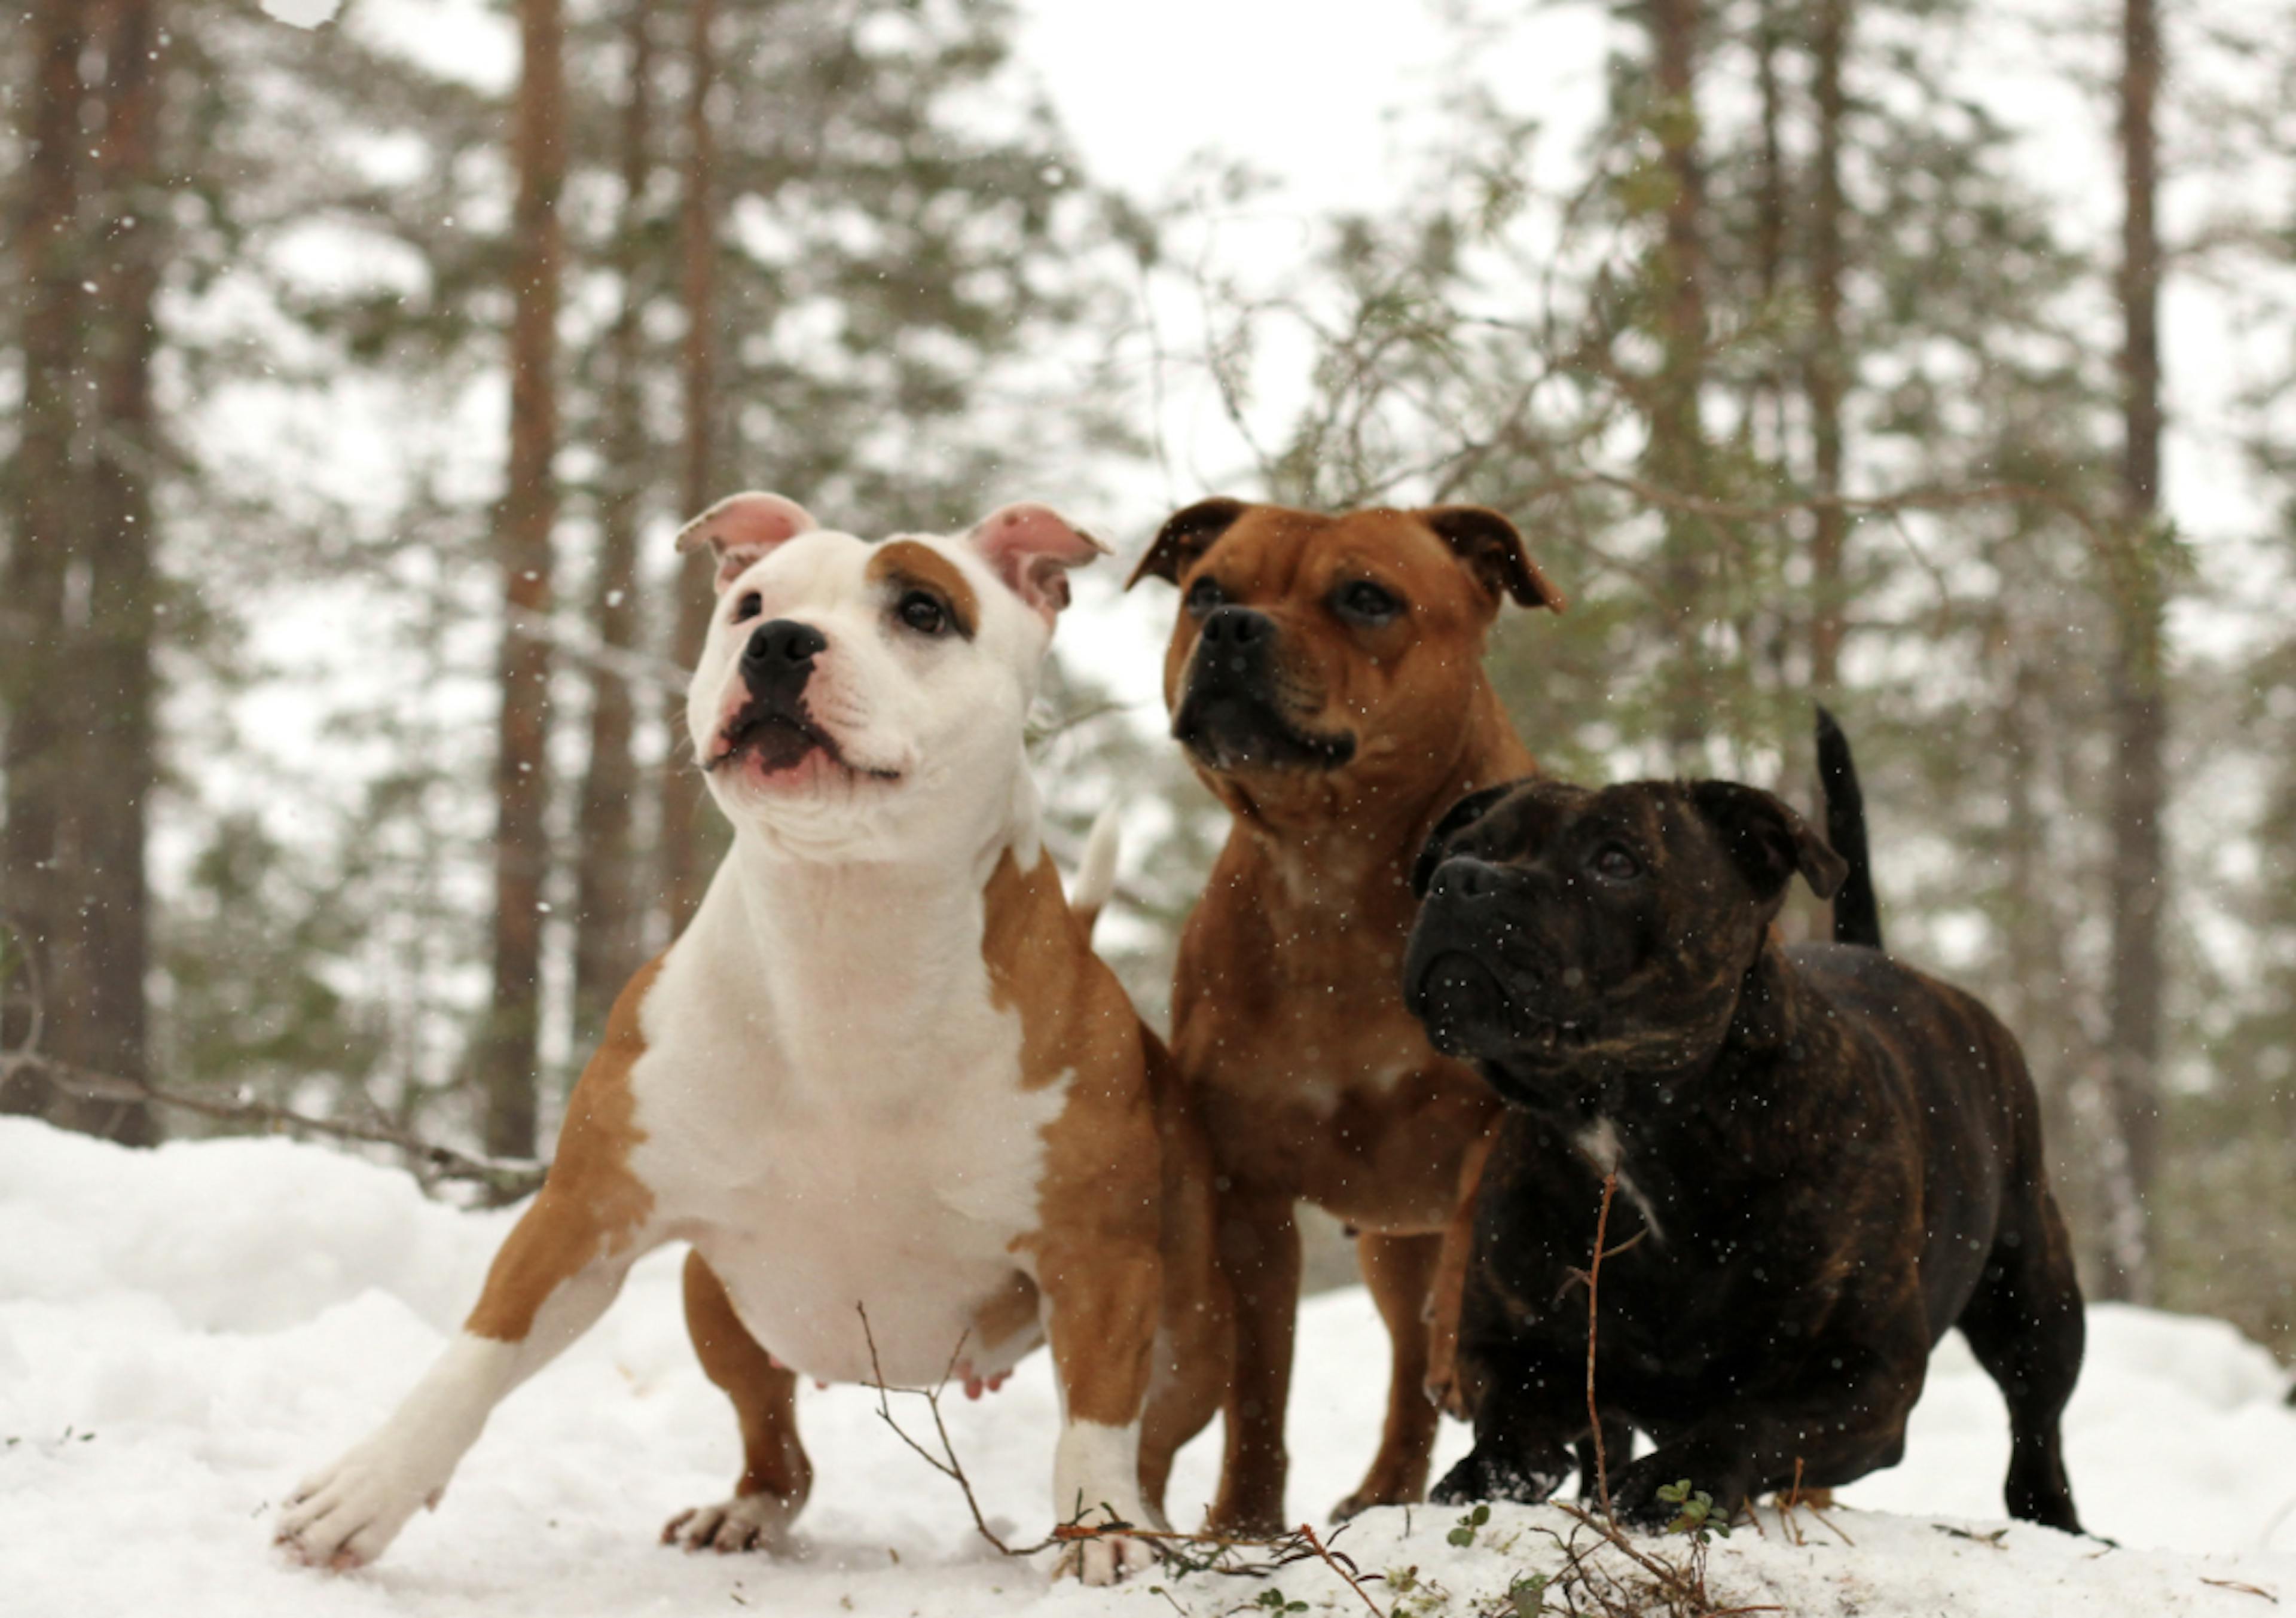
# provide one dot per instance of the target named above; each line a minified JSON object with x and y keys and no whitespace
{"x":1326,"y":678}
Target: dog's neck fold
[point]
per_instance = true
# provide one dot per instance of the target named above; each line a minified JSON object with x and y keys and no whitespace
{"x":1645,"y":1097}
{"x":1333,"y":839}
{"x":1770,"y":1008}
{"x":836,"y":943}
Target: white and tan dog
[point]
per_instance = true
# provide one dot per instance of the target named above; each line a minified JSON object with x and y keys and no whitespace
{"x":882,"y":1071}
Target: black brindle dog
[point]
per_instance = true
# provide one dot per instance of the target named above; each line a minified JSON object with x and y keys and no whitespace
{"x":1825,"y":1159}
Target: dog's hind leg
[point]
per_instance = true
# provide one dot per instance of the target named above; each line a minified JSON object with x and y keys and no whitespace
{"x":2025,"y":1325}
{"x":1400,"y":1271}
{"x":1195,"y":1348}
{"x":775,"y":1475}
{"x":1448,"y":1291}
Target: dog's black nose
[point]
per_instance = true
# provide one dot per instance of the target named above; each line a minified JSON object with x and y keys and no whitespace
{"x":780,"y":645}
{"x":1237,"y":627}
{"x":1461,"y":877}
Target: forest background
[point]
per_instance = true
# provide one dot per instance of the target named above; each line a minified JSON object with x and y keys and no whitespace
{"x":1933,"y":361}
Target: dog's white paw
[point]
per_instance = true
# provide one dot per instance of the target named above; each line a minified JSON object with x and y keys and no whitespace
{"x":344,"y":1516}
{"x":748,"y":1522}
{"x":1106,"y":1558}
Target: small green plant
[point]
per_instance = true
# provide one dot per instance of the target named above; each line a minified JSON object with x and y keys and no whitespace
{"x":1273,"y":1601}
{"x":1417,"y":1597}
{"x":1527,"y":1596}
{"x":1694,"y":1512}
{"x":1464,"y":1534}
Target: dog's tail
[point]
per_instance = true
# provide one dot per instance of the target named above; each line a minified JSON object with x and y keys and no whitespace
{"x":1857,"y":915}
{"x":1095,"y":873}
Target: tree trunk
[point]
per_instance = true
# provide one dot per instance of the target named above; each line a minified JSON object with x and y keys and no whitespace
{"x":112,"y":668}
{"x":2033,"y":1000}
{"x":1770,"y":228}
{"x":40,"y":850}
{"x":506,"y":1061}
{"x":2139,"y":716}
{"x":1828,"y":370}
{"x":684,"y":840}
{"x":1678,"y":447}
{"x":608,"y":920}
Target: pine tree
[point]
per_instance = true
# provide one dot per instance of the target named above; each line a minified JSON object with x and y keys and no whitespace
{"x":688,"y":841}
{"x":49,"y":335}
{"x":609,"y":911}
{"x":507,"y":1058}
{"x":2140,"y":796}
{"x":79,"y":693}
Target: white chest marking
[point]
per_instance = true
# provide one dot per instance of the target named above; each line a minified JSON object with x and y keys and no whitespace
{"x":856,"y":1152}
{"x":1598,"y":1144}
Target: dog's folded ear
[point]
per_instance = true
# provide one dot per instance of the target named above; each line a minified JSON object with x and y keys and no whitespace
{"x":1186,"y":534}
{"x":1031,"y":547}
{"x":742,"y":528}
{"x":1491,"y":548}
{"x":1769,"y":842}
{"x":1455,"y":819}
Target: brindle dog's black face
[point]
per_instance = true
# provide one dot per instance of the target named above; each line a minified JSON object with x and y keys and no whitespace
{"x":1568,"y":933}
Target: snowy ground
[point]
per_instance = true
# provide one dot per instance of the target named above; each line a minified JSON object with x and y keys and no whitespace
{"x":182,"y":1333}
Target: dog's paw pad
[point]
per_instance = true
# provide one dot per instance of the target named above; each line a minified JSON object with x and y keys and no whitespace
{"x":749,"y":1521}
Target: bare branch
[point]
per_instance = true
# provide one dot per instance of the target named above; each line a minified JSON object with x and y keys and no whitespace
{"x":1594,"y":1281}
{"x":504,"y":1179}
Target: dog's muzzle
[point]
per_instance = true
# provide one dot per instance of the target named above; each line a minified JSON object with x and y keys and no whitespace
{"x":1232,"y":714}
{"x":1462,"y":1004}
{"x":1471,"y":974}
{"x":773,"y":724}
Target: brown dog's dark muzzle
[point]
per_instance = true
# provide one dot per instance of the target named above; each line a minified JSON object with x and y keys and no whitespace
{"x":1232,"y":714}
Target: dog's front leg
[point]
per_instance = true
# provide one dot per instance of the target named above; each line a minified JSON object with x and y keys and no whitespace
{"x":1524,"y":1415}
{"x":1836,"y":1425}
{"x":1259,"y":1252}
{"x":1101,"y":1302}
{"x":1447,"y":1295}
{"x":551,"y":1280}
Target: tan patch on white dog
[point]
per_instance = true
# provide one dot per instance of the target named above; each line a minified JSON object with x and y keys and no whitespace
{"x":592,"y":1205}
{"x":906,"y":564}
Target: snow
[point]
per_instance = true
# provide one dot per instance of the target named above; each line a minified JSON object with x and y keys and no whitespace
{"x":303,"y":13}
{"x":184,"y":1333}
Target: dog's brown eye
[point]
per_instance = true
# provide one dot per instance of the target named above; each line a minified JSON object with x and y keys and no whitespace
{"x":1365,"y":602}
{"x":751,"y":604}
{"x":1204,"y":595}
{"x":922,"y":612}
{"x":1615,"y":863}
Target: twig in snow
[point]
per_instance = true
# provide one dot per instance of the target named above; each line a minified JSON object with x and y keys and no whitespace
{"x":1186,"y":1552}
{"x":2245,"y":1589}
{"x":945,"y":1463}
{"x":1341,"y":1566}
